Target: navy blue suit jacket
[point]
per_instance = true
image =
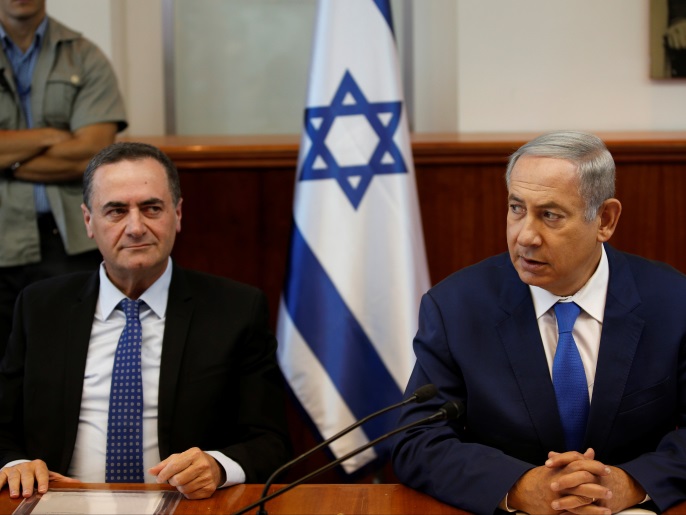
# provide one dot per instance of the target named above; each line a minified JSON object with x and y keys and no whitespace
{"x":478,"y":341}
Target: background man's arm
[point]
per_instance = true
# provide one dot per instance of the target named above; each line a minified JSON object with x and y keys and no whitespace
{"x":22,"y":145}
{"x":64,"y":160}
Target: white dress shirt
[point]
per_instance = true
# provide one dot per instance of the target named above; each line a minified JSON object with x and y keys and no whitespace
{"x":589,"y":325}
{"x":88,"y":461}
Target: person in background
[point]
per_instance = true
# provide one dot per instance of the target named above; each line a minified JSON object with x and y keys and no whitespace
{"x":87,"y":346}
{"x":569,"y":356}
{"x":59,"y":105}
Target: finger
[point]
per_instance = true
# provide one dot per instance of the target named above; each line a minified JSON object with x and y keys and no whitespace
{"x":28,"y":479}
{"x":173,"y":466}
{"x":56,"y":476}
{"x":573,"y":480}
{"x":199,"y":488}
{"x":579,"y":505}
{"x":197,"y":469}
{"x":3,"y":478}
{"x":155,"y":471}
{"x":574,"y":475}
{"x":556,"y":460}
{"x":590,"y":492}
{"x":42,"y":477}
{"x":589,"y":509}
{"x":13,"y":480}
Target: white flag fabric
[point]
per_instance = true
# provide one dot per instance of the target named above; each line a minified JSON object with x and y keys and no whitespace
{"x":357,"y":266}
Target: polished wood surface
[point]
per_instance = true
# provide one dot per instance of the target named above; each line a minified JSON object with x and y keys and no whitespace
{"x":368,"y":499}
{"x":302,"y":500}
{"x":238,"y":195}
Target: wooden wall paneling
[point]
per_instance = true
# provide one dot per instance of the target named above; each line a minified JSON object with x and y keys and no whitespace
{"x":463,"y":214}
{"x":653,"y":220}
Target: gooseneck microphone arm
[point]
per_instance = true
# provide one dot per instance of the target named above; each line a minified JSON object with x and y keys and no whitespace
{"x":449,"y":411}
{"x":423,"y":393}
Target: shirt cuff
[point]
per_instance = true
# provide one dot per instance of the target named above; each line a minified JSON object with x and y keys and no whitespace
{"x":504,"y":505}
{"x":234,"y":472}
{"x":15,"y":462}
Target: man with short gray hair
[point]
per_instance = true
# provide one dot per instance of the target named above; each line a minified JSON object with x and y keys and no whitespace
{"x":569,"y":355}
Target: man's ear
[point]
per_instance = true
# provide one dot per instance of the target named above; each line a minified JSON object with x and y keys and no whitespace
{"x":87,"y":219}
{"x":608,"y":213}
{"x":178,"y":215}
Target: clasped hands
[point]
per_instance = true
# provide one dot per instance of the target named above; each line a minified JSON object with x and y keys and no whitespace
{"x":194,"y":473}
{"x":572,"y":482}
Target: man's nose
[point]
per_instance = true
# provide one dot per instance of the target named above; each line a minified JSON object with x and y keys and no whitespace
{"x":529,"y":233}
{"x":135,"y":225}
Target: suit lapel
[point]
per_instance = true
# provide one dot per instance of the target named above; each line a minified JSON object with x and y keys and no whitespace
{"x":80,"y":322}
{"x":180,"y":307}
{"x":522,"y":342}
{"x":618,"y":342}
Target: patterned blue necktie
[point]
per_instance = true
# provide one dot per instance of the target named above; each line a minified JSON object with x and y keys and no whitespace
{"x":569,"y":378}
{"x":125,"y":424}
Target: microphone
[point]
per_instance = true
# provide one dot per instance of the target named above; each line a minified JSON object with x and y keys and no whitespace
{"x":451,"y":410}
{"x":421,"y":394}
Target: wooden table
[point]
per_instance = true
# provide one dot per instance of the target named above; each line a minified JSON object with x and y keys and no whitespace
{"x":316,"y":499}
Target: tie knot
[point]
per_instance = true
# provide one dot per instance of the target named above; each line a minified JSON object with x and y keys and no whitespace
{"x":131,"y":308}
{"x":566,"y":313}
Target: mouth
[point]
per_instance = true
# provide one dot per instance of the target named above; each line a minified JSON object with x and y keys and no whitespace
{"x":531,"y":265}
{"x":138,"y":246}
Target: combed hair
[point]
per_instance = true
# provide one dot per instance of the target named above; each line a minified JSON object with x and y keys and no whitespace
{"x":595,"y":165}
{"x":130,"y":151}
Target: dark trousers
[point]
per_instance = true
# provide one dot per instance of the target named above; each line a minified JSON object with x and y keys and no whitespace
{"x":54,"y":261}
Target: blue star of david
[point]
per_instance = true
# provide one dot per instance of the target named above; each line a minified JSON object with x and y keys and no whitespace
{"x":383,"y":118}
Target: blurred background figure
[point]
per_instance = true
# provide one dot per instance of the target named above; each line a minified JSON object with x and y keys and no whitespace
{"x":59,"y":105}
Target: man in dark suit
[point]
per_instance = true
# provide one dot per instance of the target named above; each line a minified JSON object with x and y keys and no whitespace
{"x":488,"y":336}
{"x":212,"y":412}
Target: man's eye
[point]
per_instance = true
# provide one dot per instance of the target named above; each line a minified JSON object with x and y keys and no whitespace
{"x":516,"y":209}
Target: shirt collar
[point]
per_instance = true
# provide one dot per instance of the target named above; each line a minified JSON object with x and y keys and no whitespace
{"x":591,"y":297}
{"x":154,"y":297}
{"x":38,"y":37}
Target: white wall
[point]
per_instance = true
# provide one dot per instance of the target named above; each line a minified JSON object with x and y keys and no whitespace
{"x":129,"y":32}
{"x":480,"y":65}
{"x":535,"y":65}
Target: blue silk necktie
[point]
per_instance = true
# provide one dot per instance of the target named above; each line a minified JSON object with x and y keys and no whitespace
{"x":125,"y":424}
{"x":569,"y":378}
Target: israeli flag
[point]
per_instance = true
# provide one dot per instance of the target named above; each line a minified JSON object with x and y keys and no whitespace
{"x":357,"y":265}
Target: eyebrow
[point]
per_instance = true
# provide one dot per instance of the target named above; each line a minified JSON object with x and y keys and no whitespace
{"x":548,"y":205}
{"x":147,"y":202}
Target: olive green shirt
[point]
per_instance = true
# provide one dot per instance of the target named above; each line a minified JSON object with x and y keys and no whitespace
{"x":73,"y":85}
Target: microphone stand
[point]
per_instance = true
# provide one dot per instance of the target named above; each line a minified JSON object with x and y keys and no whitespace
{"x":450,"y":410}
{"x":423,"y":393}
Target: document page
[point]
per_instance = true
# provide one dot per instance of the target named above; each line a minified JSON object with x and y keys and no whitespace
{"x":100,"y":502}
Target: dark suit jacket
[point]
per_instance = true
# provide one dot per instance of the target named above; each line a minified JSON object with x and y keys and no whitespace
{"x":478,"y":341}
{"x":220,"y":387}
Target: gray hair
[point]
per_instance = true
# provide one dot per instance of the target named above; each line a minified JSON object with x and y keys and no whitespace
{"x":130,"y":151}
{"x":595,"y":166}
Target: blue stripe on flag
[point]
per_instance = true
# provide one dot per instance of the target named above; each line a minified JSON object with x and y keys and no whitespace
{"x":336,"y":338}
{"x":385,"y":8}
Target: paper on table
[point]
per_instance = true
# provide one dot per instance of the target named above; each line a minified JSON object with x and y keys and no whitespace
{"x":628,"y":511}
{"x":99,"y":502}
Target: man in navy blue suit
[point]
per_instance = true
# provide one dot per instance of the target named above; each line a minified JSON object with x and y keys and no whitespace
{"x":488,"y":336}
